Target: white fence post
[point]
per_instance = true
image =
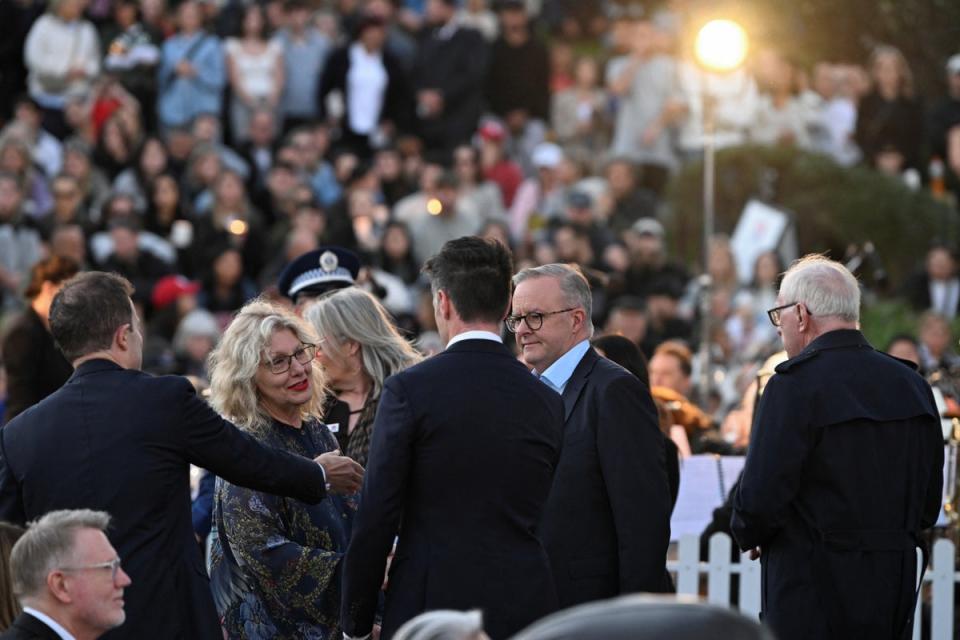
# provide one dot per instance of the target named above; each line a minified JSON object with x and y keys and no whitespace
{"x":941,"y":575}
{"x":750,"y":587}
{"x":688,"y":570}
{"x":718,"y":582}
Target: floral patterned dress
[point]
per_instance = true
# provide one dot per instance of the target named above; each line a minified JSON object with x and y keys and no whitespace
{"x":276,"y":562}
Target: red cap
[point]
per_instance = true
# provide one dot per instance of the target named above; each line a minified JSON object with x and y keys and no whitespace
{"x":493,"y":131}
{"x":169,"y":288}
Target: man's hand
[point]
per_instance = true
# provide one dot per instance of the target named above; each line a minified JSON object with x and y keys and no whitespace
{"x":754,"y":553}
{"x":344,"y":476}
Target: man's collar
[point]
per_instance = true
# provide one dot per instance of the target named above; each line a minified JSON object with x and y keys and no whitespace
{"x":558,"y":373}
{"x":474,"y":335}
{"x":50,"y":622}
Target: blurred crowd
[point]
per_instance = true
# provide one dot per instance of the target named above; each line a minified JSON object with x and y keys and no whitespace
{"x":199,"y":147}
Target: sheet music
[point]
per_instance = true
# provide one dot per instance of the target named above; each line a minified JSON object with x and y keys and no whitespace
{"x":730,"y":466}
{"x":699,"y":495}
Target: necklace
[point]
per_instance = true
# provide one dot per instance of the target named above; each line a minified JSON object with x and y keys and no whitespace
{"x":360,"y":410}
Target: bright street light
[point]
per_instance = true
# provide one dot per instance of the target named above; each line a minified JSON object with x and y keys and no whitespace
{"x":721,"y":45}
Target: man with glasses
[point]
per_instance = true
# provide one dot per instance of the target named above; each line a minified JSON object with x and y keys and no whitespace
{"x":116,"y":439}
{"x":606,"y":526}
{"x":843,"y":473}
{"x":67,"y":577}
{"x":464,"y":450}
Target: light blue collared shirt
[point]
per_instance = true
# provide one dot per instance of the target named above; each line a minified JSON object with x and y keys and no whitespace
{"x":558,"y":374}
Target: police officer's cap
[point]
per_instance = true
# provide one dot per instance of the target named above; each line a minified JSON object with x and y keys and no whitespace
{"x":319,"y":271}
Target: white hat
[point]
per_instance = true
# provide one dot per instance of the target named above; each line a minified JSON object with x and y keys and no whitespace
{"x":953,"y":64}
{"x":547,"y":155}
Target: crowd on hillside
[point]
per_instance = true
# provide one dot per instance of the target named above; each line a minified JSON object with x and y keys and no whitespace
{"x":198,"y":147}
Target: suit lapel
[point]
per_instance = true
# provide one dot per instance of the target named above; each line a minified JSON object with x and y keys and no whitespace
{"x":574,"y":388}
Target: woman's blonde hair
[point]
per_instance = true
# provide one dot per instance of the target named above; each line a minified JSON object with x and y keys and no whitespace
{"x":233,"y":364}
{"x":352,"y":314}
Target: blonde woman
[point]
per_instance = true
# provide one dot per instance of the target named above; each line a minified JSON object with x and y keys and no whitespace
{"x":359,"y":349}
{"x":275,"y":563}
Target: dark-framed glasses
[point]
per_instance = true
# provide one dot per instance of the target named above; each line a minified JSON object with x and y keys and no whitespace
{"x":774,"y":314}
{"x":534,"y":319}
{"x":281,"y":364}
{"x":113,"y":565}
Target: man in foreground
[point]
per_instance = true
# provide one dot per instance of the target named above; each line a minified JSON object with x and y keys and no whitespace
{"x":464,"y":449}
{"x":606,"y":525}
{"x":843,"y":472}
{"x":68,"y":578}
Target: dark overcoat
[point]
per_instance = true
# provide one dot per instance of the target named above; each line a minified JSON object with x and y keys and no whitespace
{"x":843,"y":472}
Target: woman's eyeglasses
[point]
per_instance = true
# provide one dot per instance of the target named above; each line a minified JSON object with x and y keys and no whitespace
{"x":282,"y":364}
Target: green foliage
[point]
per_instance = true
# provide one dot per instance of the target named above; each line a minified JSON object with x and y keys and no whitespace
{"x":833,"y":206}
{"x":882,"y":320}
{"x":926,"y":31}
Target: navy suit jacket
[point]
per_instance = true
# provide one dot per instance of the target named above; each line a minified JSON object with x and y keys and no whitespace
{"x":26,"y":627}
{"x":607,"y":522}
{"x":122,"y":441}
{"x":464,"y":449}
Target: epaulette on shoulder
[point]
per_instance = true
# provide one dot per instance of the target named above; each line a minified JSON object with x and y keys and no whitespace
{"x":909,"y":363}
{"x":787,"y":365}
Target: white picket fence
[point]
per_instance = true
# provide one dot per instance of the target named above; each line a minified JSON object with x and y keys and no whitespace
{"x":688,"y":569}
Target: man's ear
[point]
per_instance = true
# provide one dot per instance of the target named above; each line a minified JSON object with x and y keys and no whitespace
{"x":444,"y":306}
{"x":121,"y":336}
{"x":57,"y":587}
{"x":579,"y":318}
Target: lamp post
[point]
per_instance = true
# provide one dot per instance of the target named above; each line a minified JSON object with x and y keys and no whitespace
{"x":720,"y":47}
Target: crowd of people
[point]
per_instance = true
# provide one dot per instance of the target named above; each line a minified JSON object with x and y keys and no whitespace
{"x":233,"y":160}
{"x":197,"y":148}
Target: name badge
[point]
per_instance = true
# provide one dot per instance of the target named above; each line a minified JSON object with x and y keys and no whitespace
{"x":335,"y":427}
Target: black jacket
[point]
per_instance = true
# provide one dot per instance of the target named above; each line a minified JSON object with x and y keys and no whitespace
{"x":607,"y":521}
{"x":26,"y":627}
{"x":397,"y":99}
{"x":463,"y":452}
{"x":518,"y":78}
{"x":844,"y":470}
{"x":122,"y":441}
{"x":35,"y":366}
{"x":455,"y":66}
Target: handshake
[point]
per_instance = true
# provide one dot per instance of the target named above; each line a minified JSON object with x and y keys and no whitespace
{"x":344,"y":476}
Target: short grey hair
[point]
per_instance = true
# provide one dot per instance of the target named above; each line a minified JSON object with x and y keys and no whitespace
{"x":443,"y":624}
{"x":47,"y":545}
{"x":825,"y":286}
{"x":352,"y":314}
{"x":573,"y":284}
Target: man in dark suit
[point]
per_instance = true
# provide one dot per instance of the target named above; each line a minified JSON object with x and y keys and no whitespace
{"x":936,"y":287}
{"x":607,"y":522}
{"x":118,"y":440}
{"x":68,"y":578}
{"x":449,"y":75}
{"x":464,"y":449}
{"x":843,"y":472}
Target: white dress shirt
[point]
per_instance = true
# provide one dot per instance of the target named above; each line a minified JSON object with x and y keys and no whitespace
{"x":474,"y":335}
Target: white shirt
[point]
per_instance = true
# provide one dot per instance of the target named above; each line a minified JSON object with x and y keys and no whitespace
{"x":944,"y":296}
{"x":474,"y":335}
{"x":366,"y":85}
{"x":50,"y":622}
